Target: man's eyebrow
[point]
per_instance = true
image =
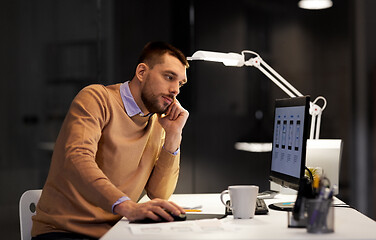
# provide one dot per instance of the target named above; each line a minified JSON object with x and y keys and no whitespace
{"x":171,"y":72}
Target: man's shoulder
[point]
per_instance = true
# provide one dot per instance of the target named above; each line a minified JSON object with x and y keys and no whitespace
{"x":99,"y":89}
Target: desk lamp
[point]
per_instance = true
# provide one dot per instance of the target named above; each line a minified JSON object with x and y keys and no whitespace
{"x":239,"y":60}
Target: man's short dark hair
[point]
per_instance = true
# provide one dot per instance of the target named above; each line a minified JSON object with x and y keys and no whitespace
{"x":153,"y":51}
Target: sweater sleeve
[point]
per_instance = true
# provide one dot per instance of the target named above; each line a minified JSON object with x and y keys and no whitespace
{"x":80,"y":136}
{"x":164,"y":177}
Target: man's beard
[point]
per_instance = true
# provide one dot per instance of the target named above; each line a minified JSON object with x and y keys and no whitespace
{"x":151,"y":102}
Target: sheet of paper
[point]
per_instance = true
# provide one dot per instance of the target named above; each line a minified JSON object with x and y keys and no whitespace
{"x":198,"y":226}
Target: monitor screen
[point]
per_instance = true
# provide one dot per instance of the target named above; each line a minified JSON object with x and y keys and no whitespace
{"x":291,"y":124}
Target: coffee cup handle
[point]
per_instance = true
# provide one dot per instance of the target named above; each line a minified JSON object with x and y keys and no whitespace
{"x":223,"y":202}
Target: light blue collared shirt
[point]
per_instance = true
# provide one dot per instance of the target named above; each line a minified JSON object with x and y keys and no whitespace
{"x":130,"y":104}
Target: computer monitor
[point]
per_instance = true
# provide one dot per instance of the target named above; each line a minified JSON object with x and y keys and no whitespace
{"x":291,"y":124}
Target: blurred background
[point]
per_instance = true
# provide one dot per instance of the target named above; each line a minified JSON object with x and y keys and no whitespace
{"x":50,"y":49}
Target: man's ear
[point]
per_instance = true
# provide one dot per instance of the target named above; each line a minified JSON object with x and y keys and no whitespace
{"x":141,"y":70}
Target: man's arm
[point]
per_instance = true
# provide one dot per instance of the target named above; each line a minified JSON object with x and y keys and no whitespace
{"x":153,"y":209}
{"x":164,"y":177}
{"x":173,"y":122}
{"x":165,"y":172}
{"x":79,"y":139}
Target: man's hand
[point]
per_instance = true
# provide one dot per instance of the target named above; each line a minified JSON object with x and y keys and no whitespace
{"x":173,"y":121}
{"x":151,"y":209}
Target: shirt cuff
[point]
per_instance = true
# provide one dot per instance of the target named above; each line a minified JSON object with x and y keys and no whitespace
{"x":120,"y":200}
{"x":173,"y":153}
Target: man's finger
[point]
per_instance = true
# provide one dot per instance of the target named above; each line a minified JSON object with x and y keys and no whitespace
{"x":169,"y":109}
{"x":178,"y":207}
{"x":174,"y":112}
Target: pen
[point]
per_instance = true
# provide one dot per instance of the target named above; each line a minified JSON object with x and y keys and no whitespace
{"x":195,"y":207}
{"x":317,"y":206}
{"x":331,"y":193}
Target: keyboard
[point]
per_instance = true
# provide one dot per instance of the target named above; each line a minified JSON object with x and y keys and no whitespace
{"x":261,"y":207}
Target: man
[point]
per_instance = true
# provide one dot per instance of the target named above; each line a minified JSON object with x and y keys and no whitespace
{"x":115,"y":142}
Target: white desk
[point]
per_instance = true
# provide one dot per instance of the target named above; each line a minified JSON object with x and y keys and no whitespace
{"x":349,"y":224}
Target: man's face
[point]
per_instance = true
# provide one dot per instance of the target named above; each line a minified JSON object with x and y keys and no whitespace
{"x":162,"y":84}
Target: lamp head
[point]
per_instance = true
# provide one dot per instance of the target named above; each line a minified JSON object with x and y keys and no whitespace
{"x":315,"y":4}
{"x":228,"y":59}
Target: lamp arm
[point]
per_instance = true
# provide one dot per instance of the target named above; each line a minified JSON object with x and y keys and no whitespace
{"x":318,"y":126}
{"x":316,"y":112}
{"x":238,"y":60}
{"x":277,"y":82}
{"x":282,"y":83}
{"x":313,"y":123}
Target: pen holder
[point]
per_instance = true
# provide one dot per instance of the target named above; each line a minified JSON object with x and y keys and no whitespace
{"x":320,"y":216}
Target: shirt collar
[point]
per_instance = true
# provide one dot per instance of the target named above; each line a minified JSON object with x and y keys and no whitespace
{"x":130,"y":104}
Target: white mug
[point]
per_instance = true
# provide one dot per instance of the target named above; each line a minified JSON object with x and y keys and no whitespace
{"x":242,"y":199}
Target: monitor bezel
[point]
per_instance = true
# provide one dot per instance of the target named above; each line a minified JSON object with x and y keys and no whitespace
{"x":281,"y":178}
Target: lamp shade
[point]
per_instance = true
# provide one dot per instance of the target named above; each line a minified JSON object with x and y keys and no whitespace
{"x":228,"y":59}
{"x":315,"y":4}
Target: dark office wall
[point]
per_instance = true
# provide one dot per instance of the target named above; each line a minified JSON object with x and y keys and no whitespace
{"x":42,"y":68}
{"x":51,"y":49}
{"x":312,"y":50}
{"x":363,"y":167}
{"x":371,"y":50}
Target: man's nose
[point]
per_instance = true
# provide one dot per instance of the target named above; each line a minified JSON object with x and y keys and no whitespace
{"x":175,"y":88}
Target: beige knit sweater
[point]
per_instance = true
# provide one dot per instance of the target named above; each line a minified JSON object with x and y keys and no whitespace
{"x":100,"y":155}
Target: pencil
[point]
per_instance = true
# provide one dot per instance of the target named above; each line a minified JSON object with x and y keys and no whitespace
{"x":192,"y":210}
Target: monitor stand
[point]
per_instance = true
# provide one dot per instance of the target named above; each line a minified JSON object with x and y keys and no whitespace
{"x":282,"y":206}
